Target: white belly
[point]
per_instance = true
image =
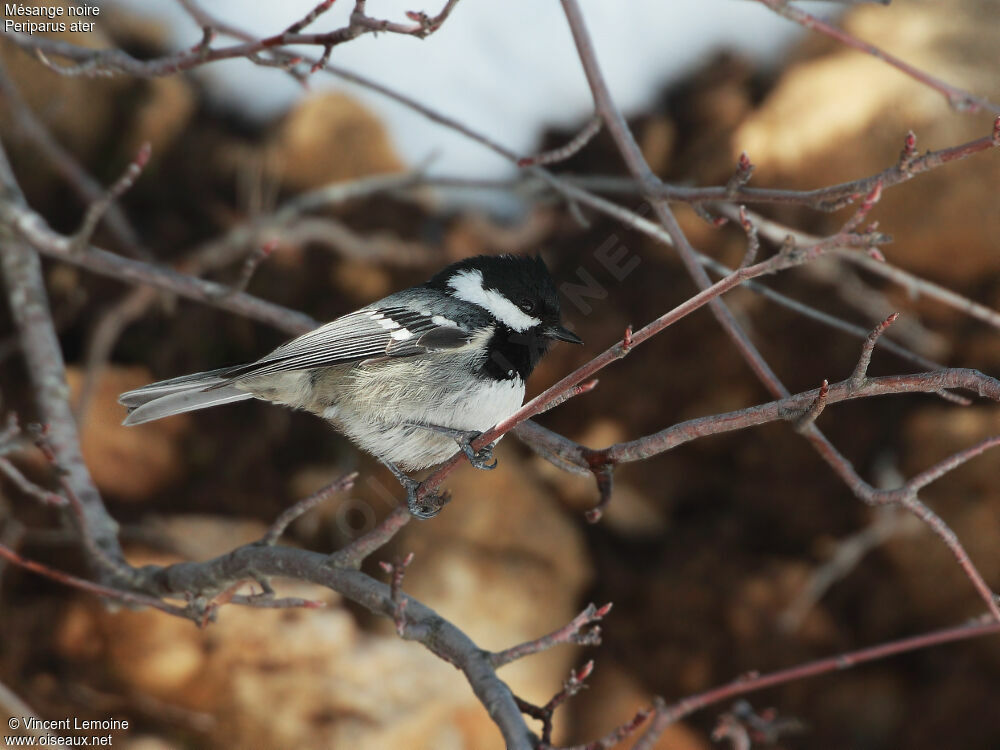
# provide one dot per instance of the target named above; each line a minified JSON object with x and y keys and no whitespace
{"x":375,"y":412}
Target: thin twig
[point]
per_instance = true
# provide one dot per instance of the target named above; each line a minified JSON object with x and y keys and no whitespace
{"x":98,"y":208}
{"x":343,"y":484}
{"x":581,"y":139}
{"x":744,"y":685}
{"x":582,"y":630}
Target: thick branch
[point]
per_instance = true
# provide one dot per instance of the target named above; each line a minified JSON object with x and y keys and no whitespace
{"x":25,"y":287}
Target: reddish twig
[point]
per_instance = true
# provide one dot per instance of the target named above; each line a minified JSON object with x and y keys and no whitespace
{"x":111,"y":62}
{"x":618,"y":734}
{"x":311,"y":16}
{"x":581,"y":139}
{"x":355,"y":553}
{"x":576,"y":390}
{"x":744,"y":685}
{"x":815,"y":408}
{"x":573,"y":685}
{"x":909,"y":152}
{"x":99,"y":207}
{"x":743,"y":726}
{"x":343,"y":484}
{"x":107,"y":592}
{"x":860,"y":374}
{"x":753,"y":239}
{"x":744,"y":171}
{"x":915,"y":286}
{"x":29,"y":488}
{"x":264,"y":601}
{"x":397,"y":570}
{"x":640,"y":170}
{"x":250,"y":265}
{"x":582,"y":630}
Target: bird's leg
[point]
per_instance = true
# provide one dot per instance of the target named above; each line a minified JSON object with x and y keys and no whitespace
{"x":481,"y":459}
{"x":422,"y":508}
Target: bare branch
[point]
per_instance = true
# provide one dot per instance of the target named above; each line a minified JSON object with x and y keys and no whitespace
{"x":97,"y":209}
{"x":915,"y":286}
{"x":343,"y":484}
{"x":578,"y":631}
{"x":29,"y":306}
{"x":581,"y":139}
{"x":860,"y":373}
{"x":107,"y":592}
{"x":618,"y":734}
{"x":32,"y":228}
{"x":267,"y":51}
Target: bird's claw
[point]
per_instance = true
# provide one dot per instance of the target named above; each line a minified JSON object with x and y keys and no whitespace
{"x":427,"y":506}
{"x":480,"y":459}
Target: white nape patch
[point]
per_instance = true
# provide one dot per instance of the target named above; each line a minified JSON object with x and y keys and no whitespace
{"x":401,"y":335}
{"x":468,"y":286}
{"x":441,"y":320}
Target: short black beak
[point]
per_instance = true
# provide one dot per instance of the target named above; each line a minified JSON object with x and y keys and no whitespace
{"x":563,"y":334}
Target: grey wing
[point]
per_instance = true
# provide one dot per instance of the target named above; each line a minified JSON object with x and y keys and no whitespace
{"x":368,"y":334}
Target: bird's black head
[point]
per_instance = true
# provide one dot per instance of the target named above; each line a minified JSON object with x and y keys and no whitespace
{"x":519,"y":293}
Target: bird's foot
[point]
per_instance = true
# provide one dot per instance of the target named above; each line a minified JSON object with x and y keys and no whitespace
{"x":420,"y":507}
{"x":424,"y":507}
{"x":481,"y":459}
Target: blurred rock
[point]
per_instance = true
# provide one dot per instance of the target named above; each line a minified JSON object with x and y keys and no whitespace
{"x":331,"y":137}
{"x":657,"y":139}
{"x":147,"y":742}
{"x":494,"y":555}
{"x":477,"y":234}
{"x":843,"y":116}
{"x":758,"y":608}
{"x":82,"y":112}
{"x":282,"y":678}
{"x":77,"y":109}
{"x":130,"y":463}
{"x":363,"y":281}
{"x":198,"y":537}
{"x":167,"y":106}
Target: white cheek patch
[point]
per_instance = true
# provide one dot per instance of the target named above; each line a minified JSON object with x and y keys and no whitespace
{"x":468,"y":286}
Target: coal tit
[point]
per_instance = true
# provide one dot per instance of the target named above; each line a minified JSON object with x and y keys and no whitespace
{"x":406,"y":377}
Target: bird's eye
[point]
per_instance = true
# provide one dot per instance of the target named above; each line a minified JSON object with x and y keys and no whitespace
{"x":528,"y":306}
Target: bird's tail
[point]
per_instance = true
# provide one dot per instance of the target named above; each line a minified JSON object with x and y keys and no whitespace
{"x":179,"y":395}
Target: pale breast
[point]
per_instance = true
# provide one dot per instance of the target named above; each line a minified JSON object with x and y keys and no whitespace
{"x":378,"y":403}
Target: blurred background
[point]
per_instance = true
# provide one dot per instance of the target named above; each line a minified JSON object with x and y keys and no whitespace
{"x":711,"y":553}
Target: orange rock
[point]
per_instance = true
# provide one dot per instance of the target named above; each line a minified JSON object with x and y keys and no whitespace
{"x":843,"y":115}
{"x":501,"y":549}
{"x":330,"y":137}
{"x":129,"y":463}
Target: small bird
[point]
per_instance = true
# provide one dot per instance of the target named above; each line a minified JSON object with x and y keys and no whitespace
{"x":408,"y":376}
